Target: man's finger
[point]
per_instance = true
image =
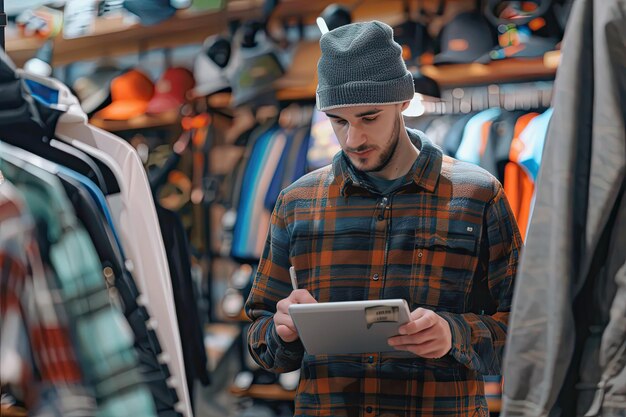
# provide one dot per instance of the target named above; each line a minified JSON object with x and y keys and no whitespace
{"x":418,"y":325}
{"x":429,"y":349}
{"x":400,"y":340}
{"x":285,"y":320}
{"x":283,"y":305}
{"x":302,"y":297}
{"x":418,"y":312}
{"x":413,"y":339}
{"x":286,"y":333}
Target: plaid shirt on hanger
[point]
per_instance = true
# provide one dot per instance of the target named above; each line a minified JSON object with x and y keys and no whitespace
{"x":39,"y":362}
{"x":445,"y":240}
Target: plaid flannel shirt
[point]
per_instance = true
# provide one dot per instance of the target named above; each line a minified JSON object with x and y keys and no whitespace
{"x":39,"y":363}
{"x":445,"y":240}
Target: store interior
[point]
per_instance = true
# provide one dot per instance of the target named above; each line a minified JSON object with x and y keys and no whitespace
{"x":189,"y":118}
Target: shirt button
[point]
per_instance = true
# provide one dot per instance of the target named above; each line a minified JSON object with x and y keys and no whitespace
{"x":370,"y":359}
{"x":368,"y":410}
{"x":375,"y":277}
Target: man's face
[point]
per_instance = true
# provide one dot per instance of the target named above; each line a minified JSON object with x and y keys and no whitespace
{"x":368,"y":135}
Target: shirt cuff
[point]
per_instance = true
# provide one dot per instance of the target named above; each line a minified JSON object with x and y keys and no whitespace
{"x":283,"y":351}
{"x":461,"y":337}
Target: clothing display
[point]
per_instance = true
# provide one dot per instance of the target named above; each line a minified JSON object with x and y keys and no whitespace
{"x":498,"y":147}
{"x":470,"y":146}
{"x":136,"y":220}
{"x":102,"y":339}
{"x":83,"y":195}
{"x":176,"y":174}
{"x":135,"y":216}
{"x":277,"y":158}
{"x":29,"y":312}
{"x":29,"y":134}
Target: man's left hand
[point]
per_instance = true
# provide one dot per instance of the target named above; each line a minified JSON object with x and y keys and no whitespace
{"x":427,"y":335}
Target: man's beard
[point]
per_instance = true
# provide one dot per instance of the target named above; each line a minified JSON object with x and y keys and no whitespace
{"x":387,"y":154}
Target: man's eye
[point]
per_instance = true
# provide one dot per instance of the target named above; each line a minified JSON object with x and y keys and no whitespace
{"x":369,"y":119}
{"x":340,"y":121}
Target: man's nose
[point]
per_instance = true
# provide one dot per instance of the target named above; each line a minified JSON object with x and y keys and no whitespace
{"x":355,"y":138}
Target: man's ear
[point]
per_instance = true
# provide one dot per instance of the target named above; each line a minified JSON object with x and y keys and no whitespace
{"x":405,"y":105}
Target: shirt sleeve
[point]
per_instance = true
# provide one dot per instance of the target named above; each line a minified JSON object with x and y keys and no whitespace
{"x":478,"y":340}
{"x":272,"y":284}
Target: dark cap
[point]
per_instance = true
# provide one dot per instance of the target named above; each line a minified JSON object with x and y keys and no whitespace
{"x":464,"y":39}
{"x":254,"y":78}
{"x":150,"y":12}
{"x":413,"y":38}
{"x":531,"y":39}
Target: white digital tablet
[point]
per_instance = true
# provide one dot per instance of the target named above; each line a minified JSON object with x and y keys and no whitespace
{"x":349,"y":326}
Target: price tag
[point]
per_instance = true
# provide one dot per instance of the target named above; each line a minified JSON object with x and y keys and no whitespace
{"x":381,"y":314}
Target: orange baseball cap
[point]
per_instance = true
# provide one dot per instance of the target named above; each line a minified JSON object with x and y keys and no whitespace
{"x":130,"y":94}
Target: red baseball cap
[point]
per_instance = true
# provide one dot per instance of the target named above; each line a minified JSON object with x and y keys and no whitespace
{"x":171,"y":90}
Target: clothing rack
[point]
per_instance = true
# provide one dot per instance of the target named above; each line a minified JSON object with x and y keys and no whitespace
{"x":524,"y":96}
{"x":3,"y":23}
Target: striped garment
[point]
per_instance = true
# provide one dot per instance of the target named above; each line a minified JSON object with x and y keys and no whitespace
{"x":39,"y":364}
{"x":446,"y":240}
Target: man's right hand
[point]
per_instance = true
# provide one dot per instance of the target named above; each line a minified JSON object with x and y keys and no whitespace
{"x":282,"y":320}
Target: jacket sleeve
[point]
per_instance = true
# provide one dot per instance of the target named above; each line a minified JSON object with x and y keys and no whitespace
{"x":478,"y":340}
{"x":272,"y":284}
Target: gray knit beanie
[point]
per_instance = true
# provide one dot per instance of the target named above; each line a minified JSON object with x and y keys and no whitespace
{"x":361,"y":64}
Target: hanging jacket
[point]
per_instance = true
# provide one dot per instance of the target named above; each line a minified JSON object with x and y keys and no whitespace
{"x":566,"y":347}
{"x":518,"y":184}
{"x":498,"y":146}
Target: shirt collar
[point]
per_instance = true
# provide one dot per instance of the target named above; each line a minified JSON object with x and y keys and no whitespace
{"x":424,"y":173}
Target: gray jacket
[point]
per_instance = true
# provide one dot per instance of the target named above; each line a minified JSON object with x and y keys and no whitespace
{"x":566,"y":347}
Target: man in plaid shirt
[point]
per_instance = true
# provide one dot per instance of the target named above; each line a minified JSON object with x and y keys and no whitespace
{"x":390,"y":218}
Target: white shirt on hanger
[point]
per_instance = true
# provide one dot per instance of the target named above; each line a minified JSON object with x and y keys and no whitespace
{"x":138,"y":225}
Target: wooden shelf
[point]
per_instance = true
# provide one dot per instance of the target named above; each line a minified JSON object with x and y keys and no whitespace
{"x":114,"y":36}
{"x":447,"y":76}
{"x":165,"y":120}
{"x":506,"y":70}
{"x":266,"y":392}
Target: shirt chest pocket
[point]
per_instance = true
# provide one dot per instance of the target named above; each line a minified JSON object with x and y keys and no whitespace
{"x":444,"y":263}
